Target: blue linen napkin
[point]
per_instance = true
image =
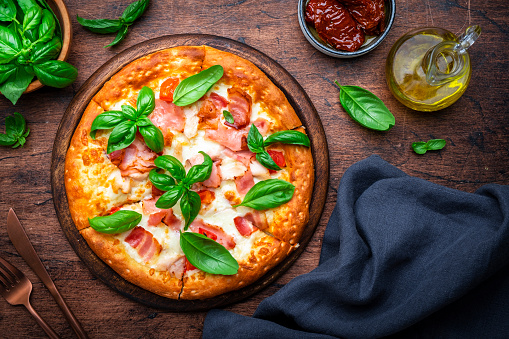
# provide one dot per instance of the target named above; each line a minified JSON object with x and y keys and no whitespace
{"x":401,"y":257}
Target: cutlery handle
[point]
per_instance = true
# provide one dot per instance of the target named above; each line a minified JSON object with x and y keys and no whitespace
{"x":75,"y":324}
{"x":49,"y":331}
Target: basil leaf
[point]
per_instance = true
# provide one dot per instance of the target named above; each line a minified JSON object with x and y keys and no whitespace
{"x":365,"y":108}
{"x":288,"y":137}
{"x":255,"y":140}
{"x":199,"y":173}
{"x":170,"y":198}
{"x":120,"y":36}
{"x":5,"y":71}
{"x":6,"y":140}
{"x":153,"y":137}
{"x":56,"y":73}
{"x":46,"y":51}
{"x":419,"y":147}
{"x":134,"y":10}
{"x":161,"y":181}
{"x":118,"y":222}
{"x":32,"y":18}
{"x":14,"y":131}
{"x":101,"y":26}
{"x":146,"y":101}
{"x":172,"y":165}
{"x":47,"y":27}
{"x":18,"y":124}
{"x":16,"y":84}
{"x":228,"y":117}
{"x":194,"y":201}
{"x":129,"y":112}
{"x":193,"y":88}
{"x":7,"y":10}
{"x":141,"y":122}
{"x":106,"y":120}
{"x":122,"y":136}
{"x":422,"y":147}
{"x":26,"y":5}
{"x":185,"y":207}
{"x":268,"y":194}
{"x":10,"y":44}
{"x":207,"y":255}
{"x":266,"y":160}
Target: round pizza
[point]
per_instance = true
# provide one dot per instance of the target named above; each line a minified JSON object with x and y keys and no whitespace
{"x":190,"y":173}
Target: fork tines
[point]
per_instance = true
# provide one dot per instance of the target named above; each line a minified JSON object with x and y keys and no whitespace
{"x":9,"y":275}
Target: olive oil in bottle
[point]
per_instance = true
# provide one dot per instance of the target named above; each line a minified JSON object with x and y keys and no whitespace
{"x":429,"y":69}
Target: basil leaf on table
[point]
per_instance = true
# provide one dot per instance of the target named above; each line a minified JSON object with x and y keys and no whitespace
{"x":228,"y":117}
{"x":55,"y":73}
{"x":118,"y":222}
{"x":7,"y":10}
{"x":365,"y":108}
{"x":134,"y":11}
{"x":207,"y":255}
{"x":16,"y":84}
{"x":268,"y":194}
{"x":153,"y":137}
{"x":422,"y":147}
{"x":161,"y":181}
{"x":201,"y":172}
{"x":266,"y":160}
{"x":47,"y":27}
{"x":100,"y":25}
{"x":288,"y":137}
{"x":122,"y":32}
{"x":15,"y":131}
{"x":122,"y":136}
{"x":172,"y":165}
{"x":46,"y":51}
{"x":170,"y":197}
{"x":255,"y":140}
{"x":193,"y":88}
{"x":146,"y":102}
{"x":32,"y":18}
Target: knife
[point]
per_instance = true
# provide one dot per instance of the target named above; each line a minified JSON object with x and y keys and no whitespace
{"x":24,"y":247}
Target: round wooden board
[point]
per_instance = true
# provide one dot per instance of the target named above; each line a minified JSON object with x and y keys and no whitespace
{"x":279,"y":76}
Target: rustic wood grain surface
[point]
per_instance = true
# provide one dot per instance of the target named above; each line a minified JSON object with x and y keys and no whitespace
{"x":476,"y":129}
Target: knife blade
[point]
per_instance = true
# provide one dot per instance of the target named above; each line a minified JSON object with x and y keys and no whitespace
{"x":22,"y":243}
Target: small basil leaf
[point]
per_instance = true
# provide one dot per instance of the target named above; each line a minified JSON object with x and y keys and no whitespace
{"x":5,"y":71}
{"x":122,"y":136}
{"x":106,"y":120}
{"x":193,"y":88}
{"x":207,"y":255}
{"x":153,"y":137}
{"x":16,"y":84}
{"x":170,"y":198}
{"x":26,"y":5}
{"x":194,"y":202}
{"x":419,"y":147}
{"x":228,"y":117}
{"x":200,"y":173}
{"x":134,"y":10}
{"x":19,"y":124}
{"x":101,"y":26}
{"x":10,"y":44}
{"x":129,"y":112}
{"x":56,"y":73}
{"x":435,"y":144}
{"x":32,"y":18}
{"x":161,"y":181}
{"x":268,"y":194}
{"x":365,"y":108}
{"x":255,"y":140}
{"x":172,"y":165}
{"x":6,"y":140}
{"x":122,"y":32}
{"x":288,"y":137}
{"x":7,"y":10}
{"x":47,"y":27}
{"x":118,"y":222}
{"x":185,"y":207}
{"x":266,"y":160}
{"x":146,"y":101}
{"x":144,"y":122}
{"x":46,"y":51}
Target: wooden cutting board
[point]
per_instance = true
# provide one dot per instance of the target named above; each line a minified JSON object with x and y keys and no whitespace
{"x":278,"y":75}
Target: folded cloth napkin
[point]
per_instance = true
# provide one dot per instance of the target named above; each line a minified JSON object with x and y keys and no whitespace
{"x":401,"y":257}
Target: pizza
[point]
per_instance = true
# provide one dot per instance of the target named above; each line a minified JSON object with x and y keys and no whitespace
{"x":190,"y":174}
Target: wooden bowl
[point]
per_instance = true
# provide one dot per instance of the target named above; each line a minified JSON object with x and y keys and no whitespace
{"x":62,"y":15}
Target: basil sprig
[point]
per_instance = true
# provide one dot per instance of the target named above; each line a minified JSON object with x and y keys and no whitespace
{"x":120,"y":25}
{"x":268,"y":194}
{"x":126,"y":122}
{"x":228,"y":117}
{"x":118,"y":222}
{"x":257,"y":145}
{"x":422,"y":147}
{"x":207,"y":255}
{"x":28,"y":44}
{"x":193,"y":88}
{"x":15,"y":131}
{"x":365,"y":108}
{"x":178,"y":184}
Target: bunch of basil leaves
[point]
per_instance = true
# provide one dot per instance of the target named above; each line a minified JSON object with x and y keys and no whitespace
{"x":30,"y":40}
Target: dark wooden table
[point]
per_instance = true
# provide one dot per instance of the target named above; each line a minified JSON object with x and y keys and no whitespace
{"x":476,"y":129}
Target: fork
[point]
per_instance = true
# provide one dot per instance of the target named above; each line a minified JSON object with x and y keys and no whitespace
{"x":15,"y":288}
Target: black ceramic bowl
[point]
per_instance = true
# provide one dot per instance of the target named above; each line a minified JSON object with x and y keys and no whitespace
{"x":370,"y":44}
